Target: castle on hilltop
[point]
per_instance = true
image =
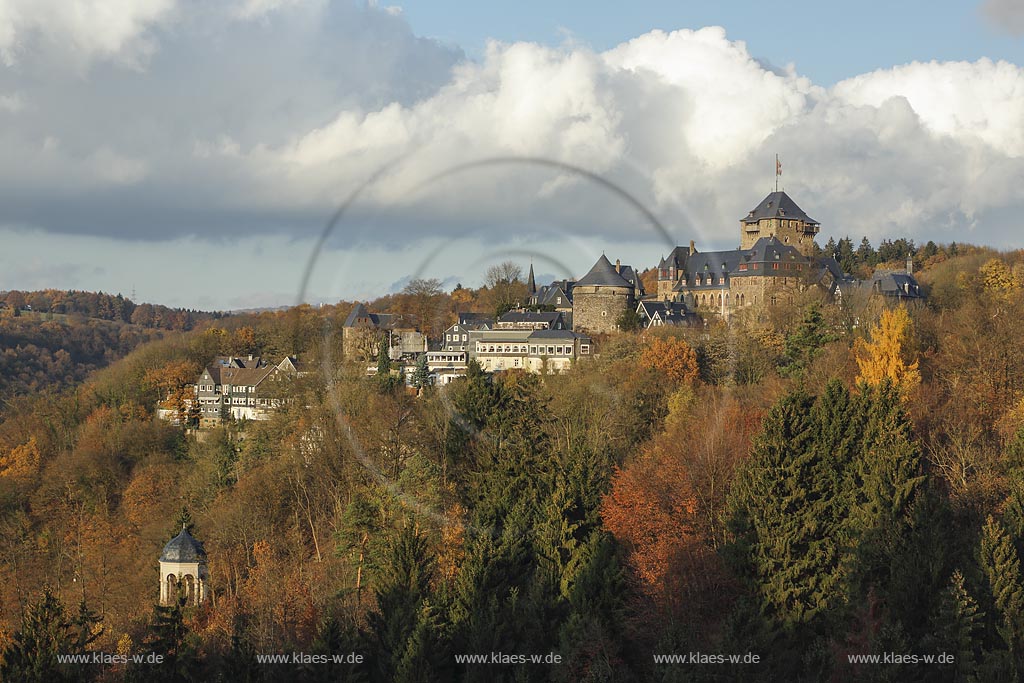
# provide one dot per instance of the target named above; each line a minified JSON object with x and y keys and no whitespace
{"x":775,"y":260}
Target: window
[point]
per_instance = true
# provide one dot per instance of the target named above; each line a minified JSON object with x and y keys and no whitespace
{"x":533,"y":350}
{"x":463,"y":337}
{"x":604,"y":314}
{"x":551,"y":350}
{"x":584,"y":349}
{"x":447,"y":337}
{"x":558,"y":300}
{"x":743,"y":266}
{"x":775,"y":266}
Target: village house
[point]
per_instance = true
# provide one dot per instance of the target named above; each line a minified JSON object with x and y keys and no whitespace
{"x":363,"y":331}
{"x":456,"y":337}
{"x":242,"y":388}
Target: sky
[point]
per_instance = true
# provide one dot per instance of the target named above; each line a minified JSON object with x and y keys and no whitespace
{"x":252,"y":153}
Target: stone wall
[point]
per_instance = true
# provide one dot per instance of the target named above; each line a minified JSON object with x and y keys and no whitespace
{"x":791,"y":231}
{"x":597,"y":309}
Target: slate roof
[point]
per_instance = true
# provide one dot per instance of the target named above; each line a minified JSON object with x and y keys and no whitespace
{"x":677,"y":258}
{"x":777,"y":205}
{"x":603,"y":275}
{"x":381,"y":321}
{"x":555,"y":335}
{"x":550,"y":318}
{"x":183,"y":548}
{"x":669,"y":312}
{"x":467,"y":319}
{"x":548,"y":294}
{"x":242,"y":376}
{"x":896,"y":284}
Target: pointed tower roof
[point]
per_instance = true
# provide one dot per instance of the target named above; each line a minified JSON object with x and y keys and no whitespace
{"x":531,"y":284}
{"x":358,"y":311}
{"x":603,"y":274}
{"x":777,"y":205}
{"x":183,"y":548}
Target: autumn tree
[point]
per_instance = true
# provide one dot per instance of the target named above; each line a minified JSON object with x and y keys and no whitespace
{"x":174,"y":381}
{"x":22,"y":461}
{"x":885,"y":356}
{"x":425,"y":299}
{"x":504,"y":281}
{"x":670,"y":357}
{"x":243,"y":341}
{"x":997,"y":279}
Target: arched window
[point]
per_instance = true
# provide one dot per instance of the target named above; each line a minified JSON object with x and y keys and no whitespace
{"x":190,"y":589}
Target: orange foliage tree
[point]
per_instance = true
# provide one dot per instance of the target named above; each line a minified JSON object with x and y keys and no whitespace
{"x":671,"y":357}
{"x":174,"y":383}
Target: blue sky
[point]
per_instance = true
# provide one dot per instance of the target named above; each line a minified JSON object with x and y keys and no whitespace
{"x":827,"y":41}
{"x":194,"y":151}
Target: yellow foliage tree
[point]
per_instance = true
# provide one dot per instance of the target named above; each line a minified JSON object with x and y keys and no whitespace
{"x":884,"y":357}
{"x":671,"y":357}
{"x":22,"y":461}
{"x":998,"y":279}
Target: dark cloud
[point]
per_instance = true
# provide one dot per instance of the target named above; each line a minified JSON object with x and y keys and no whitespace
{"x":1005,"y":15}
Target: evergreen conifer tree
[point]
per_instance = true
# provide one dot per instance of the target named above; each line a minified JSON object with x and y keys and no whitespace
{"x":402,"y":586}
{"x":1001,"y":565}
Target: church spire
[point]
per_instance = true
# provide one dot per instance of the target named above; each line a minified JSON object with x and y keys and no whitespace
{"x":531,"y":285}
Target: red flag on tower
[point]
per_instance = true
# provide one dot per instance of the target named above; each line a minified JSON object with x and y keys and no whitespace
{"x":778,"y":165}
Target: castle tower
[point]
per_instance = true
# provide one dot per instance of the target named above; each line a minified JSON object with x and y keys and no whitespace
{"x":183,"y":564}
{"x":600,"y":297}
{"x":778,"y":216}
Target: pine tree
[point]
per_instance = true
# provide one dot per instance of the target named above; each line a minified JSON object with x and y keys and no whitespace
{"x":426,"y":658}
{"x":421,"y":375}
{"x":402,"y":586}
{"x":959,"y":626}
{"x":45,"y":633}
{"x":888,"y":479}
{"x":183,"y":521}
{"x":383,"y":360}
{"x":807,"y":340}
{"x":1001,"y":565}
{"x":169,"y":636}
{"x":777,"y":516}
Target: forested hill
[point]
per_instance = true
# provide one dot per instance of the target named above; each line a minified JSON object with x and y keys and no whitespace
{"x":38,"y":353}
{"x":800,"y":486}
{"x":101,"y":306}
{"x":51,"y":339}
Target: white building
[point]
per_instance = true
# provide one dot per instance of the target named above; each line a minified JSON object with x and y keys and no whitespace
{"x":540,"y":351}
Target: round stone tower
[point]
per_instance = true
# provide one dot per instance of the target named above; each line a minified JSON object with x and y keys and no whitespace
{"x":183,"y":565}
{"x":600,"y":297}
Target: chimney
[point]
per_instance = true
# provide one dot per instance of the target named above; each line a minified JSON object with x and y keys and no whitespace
{"x":618,"y":266}
{"x":693,"y":249}
{"x":910,"y":265}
